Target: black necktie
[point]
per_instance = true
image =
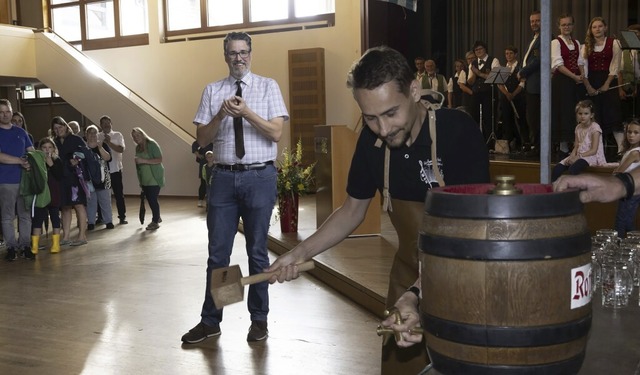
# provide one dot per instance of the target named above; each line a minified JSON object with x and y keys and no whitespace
{"x":237,"y":127}
{"x":481,"y":62}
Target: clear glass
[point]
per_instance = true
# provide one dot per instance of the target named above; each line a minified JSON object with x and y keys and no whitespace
{"x":133,"y":17}
{"x":596,"y":273}
{"x":305,"y":8}
{"x":183,"y":14}
{"x":630,"y":247}
{"x":633,"y":234}
{"x":100,"y":20}
{"x":66,"y":23}
{"x":224,"y":12}
{"x":262,"y":10}
{"x":617,"y":284}
{"x":608,"y":235}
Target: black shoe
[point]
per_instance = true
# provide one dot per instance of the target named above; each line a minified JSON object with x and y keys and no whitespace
{"x":28,"y":254}
{"x":91,"y":226}
{"x":11,"y":254}
{"x":258,"y":331}
{"x":123,"y":221}
{"x":110,"y":226}
{"x":200,"y":332}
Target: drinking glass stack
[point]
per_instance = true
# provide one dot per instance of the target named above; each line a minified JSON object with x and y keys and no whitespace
{"x":615,"y":266}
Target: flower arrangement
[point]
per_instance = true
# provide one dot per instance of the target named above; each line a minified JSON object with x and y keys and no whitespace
{"x":293,"y":177}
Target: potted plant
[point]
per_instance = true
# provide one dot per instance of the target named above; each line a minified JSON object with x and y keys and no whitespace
{"x":294,"y":179}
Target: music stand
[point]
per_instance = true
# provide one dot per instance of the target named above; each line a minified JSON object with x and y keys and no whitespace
{"x":497,"y":76}
{"x":629,"y":40}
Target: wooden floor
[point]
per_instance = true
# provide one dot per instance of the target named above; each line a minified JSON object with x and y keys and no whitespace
{"x":120,"y":304}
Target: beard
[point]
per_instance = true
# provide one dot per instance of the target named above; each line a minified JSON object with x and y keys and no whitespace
{"x":239,"y":70}
{"x":398,"y":139}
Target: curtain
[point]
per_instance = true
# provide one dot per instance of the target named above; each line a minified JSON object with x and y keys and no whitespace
{"x":409,"y":4}
{"x":500,"y":23}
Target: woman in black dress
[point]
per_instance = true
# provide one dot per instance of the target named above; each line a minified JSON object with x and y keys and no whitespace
{"x":73,"y":193}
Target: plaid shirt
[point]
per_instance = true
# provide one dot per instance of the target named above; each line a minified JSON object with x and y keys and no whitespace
{"x":263,"y":97}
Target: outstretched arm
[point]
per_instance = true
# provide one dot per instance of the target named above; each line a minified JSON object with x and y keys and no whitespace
{"x":336,"y":228}
{"x":599,"y":188}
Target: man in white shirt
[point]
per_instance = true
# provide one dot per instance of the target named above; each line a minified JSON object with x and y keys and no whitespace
{"x":115,"y":140}
{"x":482,"y":92}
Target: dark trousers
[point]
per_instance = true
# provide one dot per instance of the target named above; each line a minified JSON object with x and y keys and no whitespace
{"x":575,"y":168}
{"x":484,"y":103}
{"x":152,"y":193}
{"x":626,"y":215}
{"x":118,"y":194}
{"x":202,"y":190}
{"x":533,"y":118}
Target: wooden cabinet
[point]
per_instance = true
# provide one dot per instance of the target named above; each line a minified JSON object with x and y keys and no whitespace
{"x":334,"y":146}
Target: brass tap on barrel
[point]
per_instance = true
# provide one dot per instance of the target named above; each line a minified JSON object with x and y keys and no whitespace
{"x":388,"y":332}
{"x":505,"y":185}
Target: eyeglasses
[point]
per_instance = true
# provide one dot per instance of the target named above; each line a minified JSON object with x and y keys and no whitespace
{"x":243,"y":54}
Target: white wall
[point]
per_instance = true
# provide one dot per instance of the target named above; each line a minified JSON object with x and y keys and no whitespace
{"x":171,"y":76}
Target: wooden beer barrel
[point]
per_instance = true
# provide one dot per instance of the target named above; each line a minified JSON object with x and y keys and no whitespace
{"x":505,"y":280}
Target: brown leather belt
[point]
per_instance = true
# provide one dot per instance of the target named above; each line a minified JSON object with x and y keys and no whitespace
{"x":243,"y":167}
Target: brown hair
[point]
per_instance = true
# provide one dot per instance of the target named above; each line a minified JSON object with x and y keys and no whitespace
{"x":589,"y":40}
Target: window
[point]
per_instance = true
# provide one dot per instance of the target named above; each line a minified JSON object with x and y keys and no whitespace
{"x":184,"y":17}
{"x":30,"y":92}
{"x":94,"y":24}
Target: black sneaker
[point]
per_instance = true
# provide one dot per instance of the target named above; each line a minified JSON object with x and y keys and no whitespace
{"x":110,"y":226}
{"x":258,"y":331}
{"x":200,"y":333}
{"x":123,"y":221}
{"x":91,"y":226}
{"x":28,"y":254}
{"x":11,"y":254}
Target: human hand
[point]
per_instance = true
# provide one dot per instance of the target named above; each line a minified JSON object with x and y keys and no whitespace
{"x":24,"y":163}
{"x":594,"y":188}
{"x":622,"y":93}
{"x":234,"y":106}
{"x":107,"y":138}
{"x":407,"y":308}
{"x":286,"y":267}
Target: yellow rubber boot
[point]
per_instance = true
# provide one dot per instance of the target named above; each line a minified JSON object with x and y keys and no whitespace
{"x":55,"y":245}
{"x":34,"y":244}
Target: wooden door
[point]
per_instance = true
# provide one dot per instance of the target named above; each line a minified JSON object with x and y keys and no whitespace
{"x":306,"y":98}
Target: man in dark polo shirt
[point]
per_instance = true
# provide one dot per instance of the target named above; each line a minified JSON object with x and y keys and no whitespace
{"x":398,"y":125}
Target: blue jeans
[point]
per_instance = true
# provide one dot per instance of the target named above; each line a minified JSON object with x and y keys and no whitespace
{"x":250,"y":195}
{"x":626,"y":215}
{"x":100,"y":197}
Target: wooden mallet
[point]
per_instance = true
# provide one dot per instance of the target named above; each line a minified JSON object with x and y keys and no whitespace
{"x":227,"y":284}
